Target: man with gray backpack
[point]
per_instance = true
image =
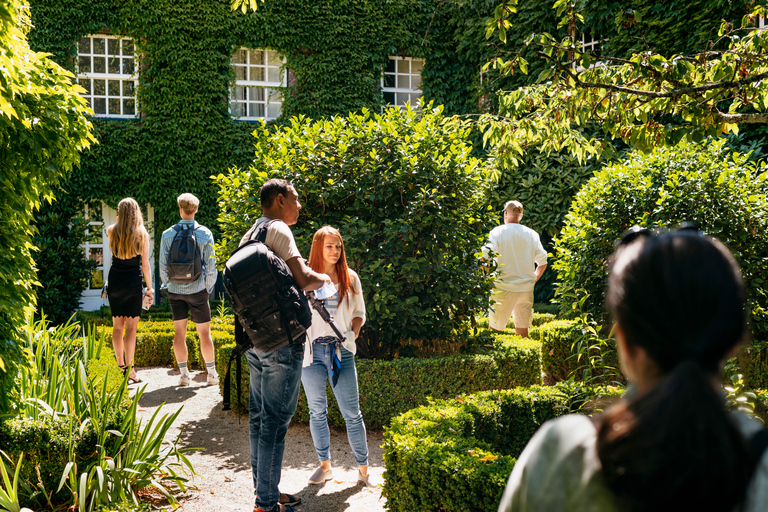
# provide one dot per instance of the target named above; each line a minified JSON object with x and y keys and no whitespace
{"x":188,"y":267}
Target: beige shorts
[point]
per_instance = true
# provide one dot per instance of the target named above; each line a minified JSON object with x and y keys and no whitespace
{"x":517,"y":304}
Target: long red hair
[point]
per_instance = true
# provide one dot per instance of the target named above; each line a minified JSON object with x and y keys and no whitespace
{"x":317,"y":264}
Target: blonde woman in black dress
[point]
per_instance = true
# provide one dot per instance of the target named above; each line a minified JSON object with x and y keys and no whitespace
{"x":129,"y":244}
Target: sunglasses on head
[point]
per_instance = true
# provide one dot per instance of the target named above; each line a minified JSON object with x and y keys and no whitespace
{"x":636,"y":232}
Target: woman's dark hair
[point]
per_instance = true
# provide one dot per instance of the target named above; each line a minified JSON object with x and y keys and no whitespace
{"x":680,"y":297}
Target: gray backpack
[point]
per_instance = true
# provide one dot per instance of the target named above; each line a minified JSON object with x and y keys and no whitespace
{"x":185,"y":263}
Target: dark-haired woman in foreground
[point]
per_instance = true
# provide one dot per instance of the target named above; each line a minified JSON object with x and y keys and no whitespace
{"x":678,"y":302}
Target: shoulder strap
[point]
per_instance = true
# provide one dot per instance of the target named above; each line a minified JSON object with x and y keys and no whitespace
{"x":260,"y":233}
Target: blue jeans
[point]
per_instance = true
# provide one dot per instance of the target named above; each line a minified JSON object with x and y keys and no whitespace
{"x":274,"y":392}
{"x":314,"y":378}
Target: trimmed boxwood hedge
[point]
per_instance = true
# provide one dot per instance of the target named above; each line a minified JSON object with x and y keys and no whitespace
{"x":389,"y":388}
{"x":455,"y":454}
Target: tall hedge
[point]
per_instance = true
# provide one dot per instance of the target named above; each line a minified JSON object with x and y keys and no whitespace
{"x":43,"y":128}
{"x":406,"y":195}
{"x":704,"y":182}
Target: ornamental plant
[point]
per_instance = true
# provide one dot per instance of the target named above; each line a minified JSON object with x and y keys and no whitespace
{"x":704,"y":183}
{"x":406,"y":195}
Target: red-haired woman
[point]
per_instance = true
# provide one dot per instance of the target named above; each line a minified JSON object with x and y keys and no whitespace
{"x":348,"y":309}
{"x":129,"y":244}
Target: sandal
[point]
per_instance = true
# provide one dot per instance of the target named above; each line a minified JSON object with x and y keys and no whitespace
{"x":277,"y":508}
{"x":134,"y":380}
{"x":289,"y":500}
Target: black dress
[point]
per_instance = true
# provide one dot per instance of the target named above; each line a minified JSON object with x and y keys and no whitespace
{"x":124,"y":286}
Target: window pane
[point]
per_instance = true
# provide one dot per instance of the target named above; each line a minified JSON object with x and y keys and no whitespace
{"x":240,"y":73}
{"x":99,"y":106}
{"x":239,"y":92}
{"x":389,"y":80}
{"x":273,"y":110}
{"x":403,"y":82}
{"x":99,"y":87}
{"x":256,"y":93}
{"x":114,"y":106}
{"x":239,"y":57}
{"x":97,"y":255}
{"x":255,"y":110}
{"x":402,"y":98}
{"x":85,"y":83}
{"x":99,"y":65}
{"x":112,"y":45}
{"x":256,"y":74}
{"x":129,"y":107}
{"x":390,"y":66}
{"x":416,"y":66}
{"x":128,"y":66}
{"x":84,"y":45}
{"x":127,"y":46}
{"x":83,"y":64}
{"x":415,"y":100}
{"x":238,"y":109}
{"x":403,"y":66}
{"x":114,"y":66}
{"x":416,"y":82}
{"x":129,"y":88}
{"x":274,"y":95}
{"x":274,"y":75}
{"x":257,"y":57}
{"x":97,"y":279}
{"x":273,"y":58}
{"x":113,"y":86}
{"x":95,"y":237}
{"x":99,"y":47}
{"x":389,"y":98}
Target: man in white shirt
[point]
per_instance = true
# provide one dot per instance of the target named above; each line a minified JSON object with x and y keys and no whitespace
{"x":275,"y":376}
{"x":521,"y":261}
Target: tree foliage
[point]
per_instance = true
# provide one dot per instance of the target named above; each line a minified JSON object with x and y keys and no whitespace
{"x":646,"y":99}
{"x":43,"y":128}
{"x":407,"y":197}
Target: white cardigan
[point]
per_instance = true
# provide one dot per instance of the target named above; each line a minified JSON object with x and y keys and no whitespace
{"x":353,"y":306}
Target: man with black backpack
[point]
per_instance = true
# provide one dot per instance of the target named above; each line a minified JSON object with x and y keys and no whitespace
{"x":275,"y":375}
{"x":188,"y":267}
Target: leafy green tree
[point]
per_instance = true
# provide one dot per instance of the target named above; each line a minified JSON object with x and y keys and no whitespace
{"x":722,"y":191}
{"x":646,"y":99}
{"x":407,"y":197}
{"x":43,"y":128}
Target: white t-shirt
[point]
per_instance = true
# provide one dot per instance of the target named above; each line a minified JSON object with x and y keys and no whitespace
{"x":519,"y":247}
{"x":559,"y":470}
{"x":279,"y":238}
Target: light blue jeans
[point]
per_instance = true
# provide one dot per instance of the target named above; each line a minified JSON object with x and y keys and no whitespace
{"x":313,"y":378}
{"x":274,"y":392}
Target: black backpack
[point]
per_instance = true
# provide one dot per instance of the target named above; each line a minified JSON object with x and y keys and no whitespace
{"x":185,"y":264}
{"x":270,"y":310}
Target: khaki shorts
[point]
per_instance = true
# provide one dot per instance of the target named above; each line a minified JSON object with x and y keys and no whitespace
{"x":517,"y":304}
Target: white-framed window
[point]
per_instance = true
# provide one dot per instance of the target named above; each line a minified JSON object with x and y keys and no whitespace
{"x":258,"y":79}
{"x":761,"y":24}
{"x":106,"y":69}
{"x":96,"y":238}
{"x":592,"y":45}
{"x":401,"y":81}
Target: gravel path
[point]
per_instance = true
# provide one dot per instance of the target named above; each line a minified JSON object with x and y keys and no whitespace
{"x":225,"y":481}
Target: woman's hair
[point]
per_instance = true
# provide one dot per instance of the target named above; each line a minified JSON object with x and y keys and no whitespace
{"x":127,"y":237}
{"x":680,"y":297}
{"x":316,"y":259}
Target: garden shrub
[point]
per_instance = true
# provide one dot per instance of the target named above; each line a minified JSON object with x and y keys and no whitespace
{"x":753,"y":361}
{"x":453,"y":454}
{"x":407,"y":197}
{"x":389,"y":388}
{"x":704,"y":182}
{"x":560,"y":351}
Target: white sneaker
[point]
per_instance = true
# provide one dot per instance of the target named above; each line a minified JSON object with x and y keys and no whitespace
{"x":184,"y":379}
{"x":213,"y":379}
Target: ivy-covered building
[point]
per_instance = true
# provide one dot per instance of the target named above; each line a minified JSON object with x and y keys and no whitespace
{"x":176,"y":85}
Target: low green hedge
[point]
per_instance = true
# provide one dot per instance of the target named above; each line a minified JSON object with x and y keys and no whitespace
{"x":458,"y":453}
{"x":389,"y":388}
{"x":559,"y":340}
{"x":753,"y":360}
